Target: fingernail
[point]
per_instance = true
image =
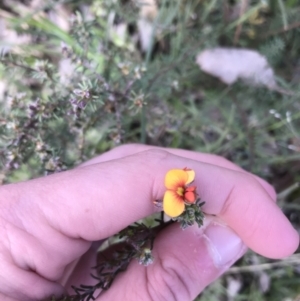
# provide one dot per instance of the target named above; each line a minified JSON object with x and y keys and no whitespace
{"x":223,"y":244}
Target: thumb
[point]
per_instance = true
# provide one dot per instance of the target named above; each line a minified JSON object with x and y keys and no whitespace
{"x":185,"y":262}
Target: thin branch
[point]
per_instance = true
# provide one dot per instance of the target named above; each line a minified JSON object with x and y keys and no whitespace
{"x":281,"y":30}
{"x":244,"y":6}
{"x":18,"y":65}
{"x":249,"y":133}
{"x":294,"y":259}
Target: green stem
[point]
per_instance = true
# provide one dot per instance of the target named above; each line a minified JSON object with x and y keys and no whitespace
{"x":146,"y":63}
{"x":283,"y":14}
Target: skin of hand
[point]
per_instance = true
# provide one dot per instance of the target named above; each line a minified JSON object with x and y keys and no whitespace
{"x":51,"y":227}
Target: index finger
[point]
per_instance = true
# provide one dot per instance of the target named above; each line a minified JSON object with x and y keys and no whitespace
{"x":103,"y":198}
{"x":130,"y":149}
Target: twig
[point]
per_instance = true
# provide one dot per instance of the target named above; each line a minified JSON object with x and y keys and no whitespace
{"x":281,"y":30}
{"x":294,"y":259}
{"x":249,"y":134}
{"x":283,"y":13}
{"x":175,"y":62}
{"x":244,"y":6}
{"x":17,"y":65}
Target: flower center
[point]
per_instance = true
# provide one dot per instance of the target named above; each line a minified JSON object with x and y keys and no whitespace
{"x":180,"y":191}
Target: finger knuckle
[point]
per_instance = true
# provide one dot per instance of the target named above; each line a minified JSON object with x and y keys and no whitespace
{"x":154,"y":156}
{"x":167,"y":281}
{"x":246,"y":185}
{"x":240,"y":199}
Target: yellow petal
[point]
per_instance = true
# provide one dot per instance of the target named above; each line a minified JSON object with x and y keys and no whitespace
{"x":176,"y":178}
{"x":173,"y":205}
{"x":191,"y":176}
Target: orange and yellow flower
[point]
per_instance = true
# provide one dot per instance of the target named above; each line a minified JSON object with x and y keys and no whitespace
{"x":178,"y":194}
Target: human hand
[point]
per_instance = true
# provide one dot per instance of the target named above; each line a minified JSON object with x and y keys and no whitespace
{"x":47,"y":225}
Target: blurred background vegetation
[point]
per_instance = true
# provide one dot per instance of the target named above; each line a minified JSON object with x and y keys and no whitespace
{"x":80,"y":77}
